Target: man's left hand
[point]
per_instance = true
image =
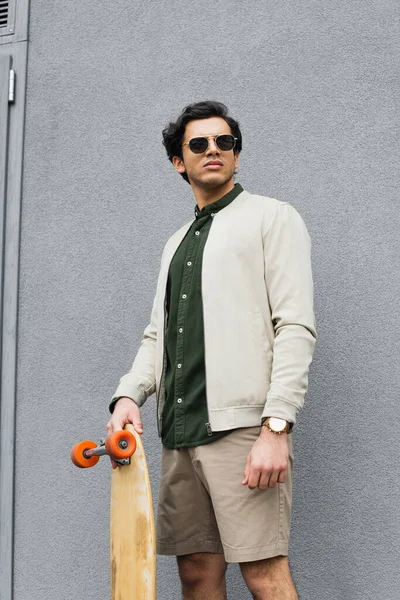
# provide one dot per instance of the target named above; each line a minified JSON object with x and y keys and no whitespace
{"x":268,"y":460}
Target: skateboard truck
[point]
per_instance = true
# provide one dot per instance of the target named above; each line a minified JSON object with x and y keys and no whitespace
{"x":119,"y":446}
{"x":100,"y":450}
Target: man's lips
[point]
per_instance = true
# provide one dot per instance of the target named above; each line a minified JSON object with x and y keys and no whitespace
{"x":213,"y":164}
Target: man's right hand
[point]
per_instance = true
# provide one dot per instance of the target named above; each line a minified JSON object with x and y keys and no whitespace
{"x":125,"y":411}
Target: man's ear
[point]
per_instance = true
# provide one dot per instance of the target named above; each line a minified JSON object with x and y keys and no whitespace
{"x":179,"y":164}
{"x":236,"y":160}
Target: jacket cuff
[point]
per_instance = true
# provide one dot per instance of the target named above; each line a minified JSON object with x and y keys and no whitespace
{"x":129,"y":391}
{"x":280,"y":408}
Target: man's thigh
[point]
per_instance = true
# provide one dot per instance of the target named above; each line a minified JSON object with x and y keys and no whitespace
{"x":252,"y":524}
{"x":185,"y":517}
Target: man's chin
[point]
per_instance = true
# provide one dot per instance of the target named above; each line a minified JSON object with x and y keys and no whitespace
{"x":212,"y":180}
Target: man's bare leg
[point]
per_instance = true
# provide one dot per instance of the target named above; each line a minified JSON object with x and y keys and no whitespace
{"x":202,"y":576}
{"x":269,"y":579}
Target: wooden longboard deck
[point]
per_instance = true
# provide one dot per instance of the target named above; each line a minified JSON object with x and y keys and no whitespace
{"x":132,"y":536}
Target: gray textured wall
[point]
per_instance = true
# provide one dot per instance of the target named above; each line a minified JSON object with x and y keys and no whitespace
{"x":315,"y":87}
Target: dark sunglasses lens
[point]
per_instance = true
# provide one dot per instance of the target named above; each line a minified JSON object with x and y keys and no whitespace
{"x":198,"y":144}
{"x":225,"y":142}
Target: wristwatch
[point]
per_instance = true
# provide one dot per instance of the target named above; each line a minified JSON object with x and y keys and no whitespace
{"x":276,"y":425}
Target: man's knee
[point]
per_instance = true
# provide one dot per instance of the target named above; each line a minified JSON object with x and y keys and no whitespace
{"x":269,"y":577}
{"x":194,"y":569}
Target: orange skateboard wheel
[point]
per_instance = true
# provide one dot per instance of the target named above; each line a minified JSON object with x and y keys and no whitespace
{"x":120,"y":444}
{"x":78,"y":457}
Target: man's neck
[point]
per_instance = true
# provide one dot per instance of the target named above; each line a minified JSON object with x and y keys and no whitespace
{"x":204,"y":197}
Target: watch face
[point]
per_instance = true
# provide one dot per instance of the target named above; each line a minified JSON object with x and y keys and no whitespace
{"x":277,"y":424}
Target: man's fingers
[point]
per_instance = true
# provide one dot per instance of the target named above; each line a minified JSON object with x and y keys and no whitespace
{"x":254,"y":478}
{"x":246,"y":471}
{"x":273,"y":479}
{"x":282,"y":476}
{"x":138,"y":425}
{"x":278,"y":476}
{"x":246,"y":477}
{"x":264,"y":480}
{"x":114,"y":425}
{"x":134,"y":418}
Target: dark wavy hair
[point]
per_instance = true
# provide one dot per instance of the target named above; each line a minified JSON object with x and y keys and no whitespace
{"x":174,"y":132}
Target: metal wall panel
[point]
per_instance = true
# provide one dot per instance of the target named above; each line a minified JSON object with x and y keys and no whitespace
{"x":7,"y":415}
{"x":11,"y":159}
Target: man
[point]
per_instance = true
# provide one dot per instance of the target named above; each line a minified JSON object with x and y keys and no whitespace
{"x":227,"y":351}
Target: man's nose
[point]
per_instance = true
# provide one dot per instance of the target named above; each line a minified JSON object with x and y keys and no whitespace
{"x":212,"y":147}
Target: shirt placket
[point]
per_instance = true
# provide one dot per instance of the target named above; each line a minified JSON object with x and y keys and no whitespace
{"x":184,"y":298}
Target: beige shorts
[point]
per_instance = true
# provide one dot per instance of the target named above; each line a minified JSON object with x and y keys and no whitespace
{"x":203,"y":506}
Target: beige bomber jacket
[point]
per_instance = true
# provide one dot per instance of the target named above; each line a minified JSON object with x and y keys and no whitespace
{"x":259,"y":325}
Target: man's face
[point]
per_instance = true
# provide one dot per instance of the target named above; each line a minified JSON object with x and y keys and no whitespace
{"x":213,"y":167}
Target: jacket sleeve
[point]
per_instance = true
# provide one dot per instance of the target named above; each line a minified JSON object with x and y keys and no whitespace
{"x":288,"y":278}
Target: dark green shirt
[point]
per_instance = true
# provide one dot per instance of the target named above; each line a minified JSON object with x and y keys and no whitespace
{"x":185,"y":416}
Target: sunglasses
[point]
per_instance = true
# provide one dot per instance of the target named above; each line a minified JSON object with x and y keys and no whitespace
{"x":224,"y":142}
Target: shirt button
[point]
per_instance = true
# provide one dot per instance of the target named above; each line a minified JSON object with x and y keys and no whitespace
{"x":184,"y":296}
{"x":213,"y":214}
{"x":179,"y":401}
{"x":189,"y":264}
{"x":180,"y":329}
{"x":197,"y":233}
{"x":179,"y":366}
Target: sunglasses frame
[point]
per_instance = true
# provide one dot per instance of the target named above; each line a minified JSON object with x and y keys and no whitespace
{"x":208,"y":137}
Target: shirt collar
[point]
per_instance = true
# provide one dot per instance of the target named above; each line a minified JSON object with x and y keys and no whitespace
{"x":220,"y":203}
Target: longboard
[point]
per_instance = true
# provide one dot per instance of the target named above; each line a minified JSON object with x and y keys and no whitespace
{"x":132,"y":535}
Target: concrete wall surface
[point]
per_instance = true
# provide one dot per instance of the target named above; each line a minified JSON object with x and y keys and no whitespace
{"x":315,"y":88}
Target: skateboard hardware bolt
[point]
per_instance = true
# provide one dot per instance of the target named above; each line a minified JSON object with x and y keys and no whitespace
{"x":123,"y":444}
